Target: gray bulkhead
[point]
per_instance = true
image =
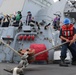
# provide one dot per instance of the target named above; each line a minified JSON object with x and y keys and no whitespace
{"x":40,"y":12}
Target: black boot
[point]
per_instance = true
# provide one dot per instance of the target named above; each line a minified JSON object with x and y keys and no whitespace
{"x":73,"y":61}
{"x":21,"y":74}
{"x":8,"y":70}
{"x":62,"y":62}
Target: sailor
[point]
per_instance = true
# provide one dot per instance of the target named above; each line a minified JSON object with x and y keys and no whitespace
{"x":17,"y":18}
{"x":6,"y":21}
{"x":68,"y":34}
{"x":28,"y":17}
{"x":56,"y":22}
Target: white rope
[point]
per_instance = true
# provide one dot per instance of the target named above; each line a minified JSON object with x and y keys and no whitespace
{"x":15,"y":71}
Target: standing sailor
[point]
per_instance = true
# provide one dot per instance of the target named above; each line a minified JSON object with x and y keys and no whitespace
{"x":28,"y":17}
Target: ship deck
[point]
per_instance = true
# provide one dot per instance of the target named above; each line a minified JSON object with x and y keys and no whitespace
{"x":50,"y":69}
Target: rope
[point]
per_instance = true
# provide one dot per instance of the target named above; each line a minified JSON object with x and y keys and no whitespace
{"x":35,"y":54}
{"x":10,"y":47}
{"x":48,"y":49}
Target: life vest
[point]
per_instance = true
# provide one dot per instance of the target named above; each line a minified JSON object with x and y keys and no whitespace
{"x":68,"y":32}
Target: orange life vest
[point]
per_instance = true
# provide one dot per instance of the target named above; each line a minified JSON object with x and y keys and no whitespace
{"x":68,"y":32}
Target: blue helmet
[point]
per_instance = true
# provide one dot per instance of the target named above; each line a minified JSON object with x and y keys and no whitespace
{"x":67,"y":21}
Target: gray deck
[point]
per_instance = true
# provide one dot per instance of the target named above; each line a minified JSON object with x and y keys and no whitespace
{"x":51,"y":69}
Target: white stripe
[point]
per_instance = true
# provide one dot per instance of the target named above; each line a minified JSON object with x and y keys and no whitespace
{"x":68,"y":33}
{"x":65,"y":33}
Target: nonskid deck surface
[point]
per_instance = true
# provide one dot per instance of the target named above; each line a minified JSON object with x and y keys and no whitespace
{"x":51,"y":69}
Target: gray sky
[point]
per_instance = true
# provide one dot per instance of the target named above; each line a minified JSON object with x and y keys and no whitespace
{"x":1,"y":1}
{"x":55,"y":0}
{"x":50,"y":0}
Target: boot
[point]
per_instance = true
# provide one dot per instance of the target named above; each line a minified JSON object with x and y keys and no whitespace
{"x":62,"y":62}
{"x":8,"y":70}
{"x":21,"y":74}
{"x":73,"y":61}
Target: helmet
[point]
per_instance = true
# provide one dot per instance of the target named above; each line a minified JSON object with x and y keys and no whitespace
{"x":67,"y":21}
{"x":19,"y":12}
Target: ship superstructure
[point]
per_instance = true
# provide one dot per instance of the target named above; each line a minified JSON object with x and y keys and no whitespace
{"x":42,"y":11}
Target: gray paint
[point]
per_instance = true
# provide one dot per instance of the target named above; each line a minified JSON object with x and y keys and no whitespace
{"x":40,"y":13}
